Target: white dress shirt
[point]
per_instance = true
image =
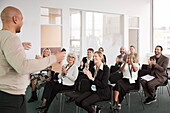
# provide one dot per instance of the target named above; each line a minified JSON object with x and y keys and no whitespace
{"x":126,"y":73}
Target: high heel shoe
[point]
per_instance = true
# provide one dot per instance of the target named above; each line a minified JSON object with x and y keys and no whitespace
{"x":115,"y":106}
{"x":43,"y":110}
{"x":40,"y":107}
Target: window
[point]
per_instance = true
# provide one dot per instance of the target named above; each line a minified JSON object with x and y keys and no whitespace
{"x":104,"y":30}
{"x":96,"y":29}
{"x":50,"y":20}
{"x":134,"y":32}
{"x":75,"y":23}
{"x":161,"y":24}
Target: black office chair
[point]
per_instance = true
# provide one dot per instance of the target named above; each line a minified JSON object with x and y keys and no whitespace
{"x":83,"y":86}
{"x":109,"y":101}
{"x":136,"y":90}
{"x":160,"y":89}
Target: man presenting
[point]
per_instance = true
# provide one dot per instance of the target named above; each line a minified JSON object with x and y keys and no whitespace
{"x":13,"y":63}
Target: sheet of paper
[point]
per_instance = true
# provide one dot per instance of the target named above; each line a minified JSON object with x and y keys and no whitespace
{"x":148,"y":77}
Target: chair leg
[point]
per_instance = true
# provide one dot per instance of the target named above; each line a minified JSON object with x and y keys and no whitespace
{"x":61,"y":99}
{"x":95,"y":106}
{"x":129,"y":103}
{"x":158,"y":96}
{"x":126,"y":100}
{"x":141,"y":100}
{"x":63,"y":103}
{"x":168,"y":90}
{"x":77,"y":109}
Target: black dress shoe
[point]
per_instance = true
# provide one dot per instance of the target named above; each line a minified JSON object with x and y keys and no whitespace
{"x":32,"y":100}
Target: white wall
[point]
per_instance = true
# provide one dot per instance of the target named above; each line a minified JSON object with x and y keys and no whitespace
{"x":31,"y":28}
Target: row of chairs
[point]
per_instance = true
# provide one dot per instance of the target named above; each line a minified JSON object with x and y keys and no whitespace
{"x":137,"y":90}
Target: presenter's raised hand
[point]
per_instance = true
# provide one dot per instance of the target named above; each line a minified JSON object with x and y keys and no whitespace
{"x":26,"y":45}
{"x":60,"y":56}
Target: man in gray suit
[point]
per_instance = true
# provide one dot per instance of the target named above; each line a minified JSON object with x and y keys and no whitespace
{"x":157,"y":68}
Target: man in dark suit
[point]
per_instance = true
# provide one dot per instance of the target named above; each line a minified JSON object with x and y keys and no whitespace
{"x":157,"y":68}
{"x":86,"y":63}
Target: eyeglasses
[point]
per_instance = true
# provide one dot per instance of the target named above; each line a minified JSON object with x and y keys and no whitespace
{"x":70,"y":56}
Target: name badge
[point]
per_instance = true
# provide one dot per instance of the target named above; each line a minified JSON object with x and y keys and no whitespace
{"x":93,"y":88}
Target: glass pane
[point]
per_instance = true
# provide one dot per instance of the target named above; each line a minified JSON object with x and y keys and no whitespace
{"x":50,"y":20}
{"x":75,"y":19}
{"x":89,"y":17}
{"x":50,"y":16}
{"x":104,"y":30}
{"x":161,"y":24}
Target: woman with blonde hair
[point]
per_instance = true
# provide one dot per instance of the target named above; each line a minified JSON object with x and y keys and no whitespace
{"x":133,"y":54}
{"x":66,"y":81}
{"x":38,"y":80}
{"x":100,"y":91}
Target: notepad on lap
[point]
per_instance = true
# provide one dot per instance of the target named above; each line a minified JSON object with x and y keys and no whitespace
{"x":148,"y":77}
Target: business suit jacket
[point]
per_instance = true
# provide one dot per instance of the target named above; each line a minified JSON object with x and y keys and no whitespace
{"x":91,"y":65}
{"x":101,"y":82}
{"x":104,"y":58}
{"x":159,"y":70}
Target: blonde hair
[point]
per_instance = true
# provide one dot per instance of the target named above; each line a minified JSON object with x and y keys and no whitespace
{"x":101,"y":56}
{"x":75,"y":58}
{"x":44,"y":51}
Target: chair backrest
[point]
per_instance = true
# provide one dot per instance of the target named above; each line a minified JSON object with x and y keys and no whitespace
{"x":114,"y":69}
{"x":138,"y":84}
{"x":84,"y":86}
{"x":114,"y":77}
{"x":144,"y":66}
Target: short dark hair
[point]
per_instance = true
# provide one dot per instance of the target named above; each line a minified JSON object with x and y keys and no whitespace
{"x":132,"y":46}
{"x":160,"y":47}
{"x":90,"y":49}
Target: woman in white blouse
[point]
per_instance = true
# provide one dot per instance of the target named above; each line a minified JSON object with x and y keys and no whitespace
{"x":128,"y":82}
{"x":66,"y":81}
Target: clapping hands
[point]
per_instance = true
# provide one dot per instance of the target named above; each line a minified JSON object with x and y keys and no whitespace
{"x":64,"y":71}
{"x":88,"y":73}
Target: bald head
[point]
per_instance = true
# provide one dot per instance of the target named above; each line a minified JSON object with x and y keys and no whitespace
{"x":12,"y":18}
{"x":9,"y":12}
{"x":122,"y":50}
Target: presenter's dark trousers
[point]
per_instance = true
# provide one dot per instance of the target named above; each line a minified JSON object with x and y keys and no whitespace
{"x":12,"y":103}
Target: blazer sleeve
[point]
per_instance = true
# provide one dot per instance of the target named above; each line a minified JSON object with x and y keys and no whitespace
{"x":81,"y":68}
{"x":105,"y":77}
{"x":163,"y":67}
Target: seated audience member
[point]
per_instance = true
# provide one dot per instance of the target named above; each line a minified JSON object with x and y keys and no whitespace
{"x":38,"y":79}
{"x":102,"y":50}
{"x":115,"y":73}
{"x":133,"y":54}
{"x":122,"y":57}
{"x":66,"y":81}
{"x":100,"y":90}
{"x":86,"y":63}
{"x":128,"y":82}
{"x":157,"y":68}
